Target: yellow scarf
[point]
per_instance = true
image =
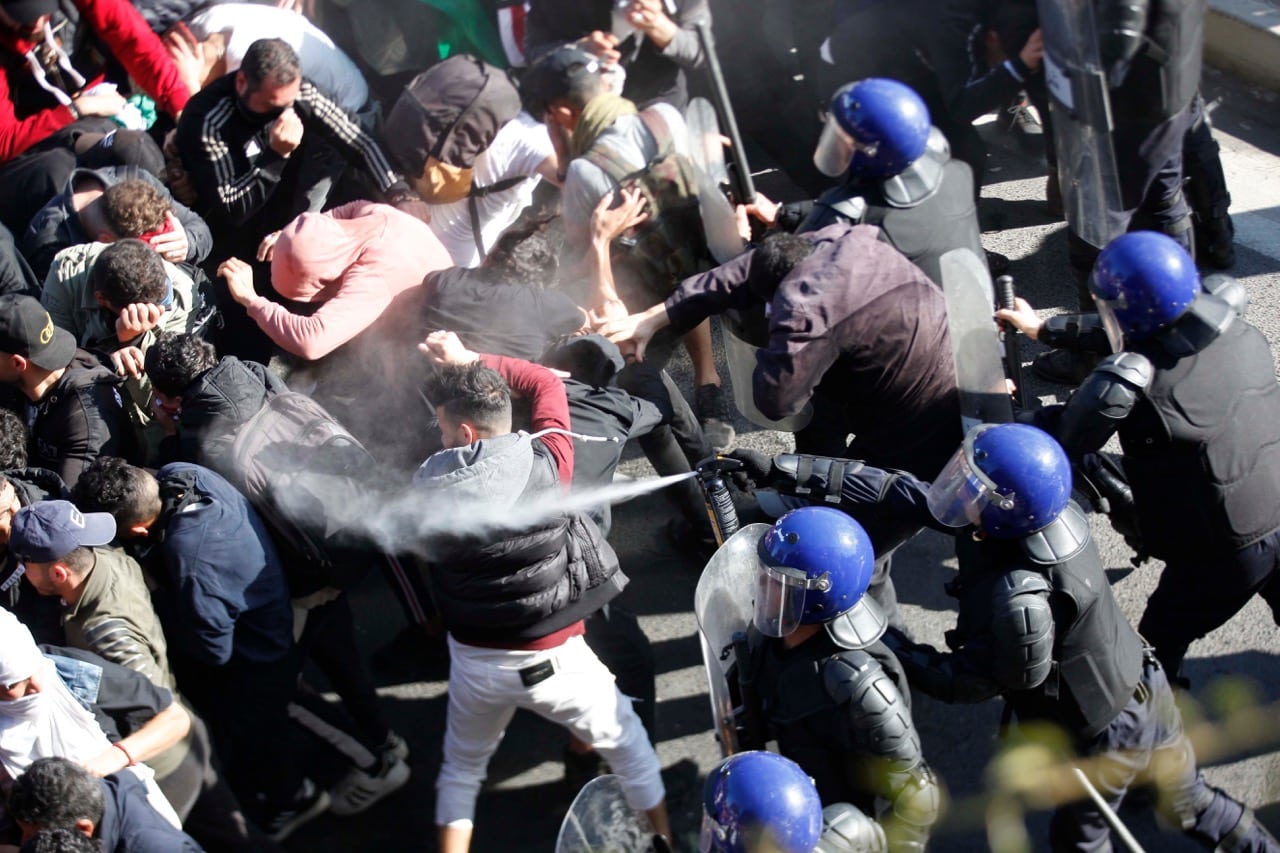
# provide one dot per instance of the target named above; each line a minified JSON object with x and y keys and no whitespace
{"x":597,"y":117}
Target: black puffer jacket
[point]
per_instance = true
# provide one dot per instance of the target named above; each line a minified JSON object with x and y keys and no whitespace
{"x":498,"y":578}
{"x":214,"y":406}
{"x":80,"y":418}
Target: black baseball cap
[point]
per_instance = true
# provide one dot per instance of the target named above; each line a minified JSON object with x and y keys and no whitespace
{"x":551,"y":76}
{"x":50,"y":530}
{"x":28,"y":11}
{"x":26,"y":329}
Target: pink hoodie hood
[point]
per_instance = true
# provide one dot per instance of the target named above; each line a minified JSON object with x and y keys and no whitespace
{"x":315,"y":249}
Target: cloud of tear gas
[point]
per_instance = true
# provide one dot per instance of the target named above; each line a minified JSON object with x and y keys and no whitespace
{"x":414,"y":521}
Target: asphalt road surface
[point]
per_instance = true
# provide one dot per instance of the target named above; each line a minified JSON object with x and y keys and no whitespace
{"x":523,"y":800}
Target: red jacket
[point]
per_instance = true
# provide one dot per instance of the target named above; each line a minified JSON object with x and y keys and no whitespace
{"x":131,"y":41}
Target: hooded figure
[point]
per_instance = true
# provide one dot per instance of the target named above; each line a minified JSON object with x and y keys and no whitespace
{"x":40,"y":718}
{"x":351,"y":262}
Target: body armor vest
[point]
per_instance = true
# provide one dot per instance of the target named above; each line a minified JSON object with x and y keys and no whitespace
{"x":1202,"y":447}
{"x":1097,"y":656}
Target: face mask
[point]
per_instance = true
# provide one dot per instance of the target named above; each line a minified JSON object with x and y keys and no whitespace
{"x":242,"y":104}
{"x":22,"y":708}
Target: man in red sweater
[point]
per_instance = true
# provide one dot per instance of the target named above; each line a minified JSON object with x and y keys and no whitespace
{"x":514,"y":583}
{"x":54,"y":115}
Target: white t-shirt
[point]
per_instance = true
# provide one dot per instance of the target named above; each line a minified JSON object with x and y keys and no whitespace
{"x":518,"y":150}
{"x":323,"y":63}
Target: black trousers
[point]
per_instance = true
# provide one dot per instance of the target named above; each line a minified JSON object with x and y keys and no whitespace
{"x":1194,"y":597}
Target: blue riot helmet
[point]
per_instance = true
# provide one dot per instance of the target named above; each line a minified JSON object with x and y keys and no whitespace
{"x":876,"y":128}
{"x":1143,"y":282}
{"x":813,"y":565}
{"x":759,"y":801}
{"x":1008,"y":479}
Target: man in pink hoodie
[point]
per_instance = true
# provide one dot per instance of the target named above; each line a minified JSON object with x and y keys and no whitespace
{"x":351,"y":262}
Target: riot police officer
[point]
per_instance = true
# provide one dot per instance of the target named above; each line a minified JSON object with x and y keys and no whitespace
{"x":1038,"y":623}
{"x":1192,"y":392}
{"x":897,"y":172}
{"x":830,"y":692}
{"x":760,"y":802}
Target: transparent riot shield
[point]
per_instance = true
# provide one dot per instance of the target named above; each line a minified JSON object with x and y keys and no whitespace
{"x":745,"y":333}
{"x":722,"y":605}
{"x":706,"y":147}
{"x":975,"y":340}
{"x":600,"y":821}
{"x":1081,"y":117}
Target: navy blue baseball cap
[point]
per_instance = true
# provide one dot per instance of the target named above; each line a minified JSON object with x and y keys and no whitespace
{"x":50,"y":530}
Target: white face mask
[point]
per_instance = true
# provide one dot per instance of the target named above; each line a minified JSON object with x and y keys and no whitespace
{"x":24,"y":708}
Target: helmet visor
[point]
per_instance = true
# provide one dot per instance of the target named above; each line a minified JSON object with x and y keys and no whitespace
{"x":779,"y":600}
{"x":961,"y":492}
{"x":1111,"y":324}
{"x":713,"y":838}
{"x":835,"y":149}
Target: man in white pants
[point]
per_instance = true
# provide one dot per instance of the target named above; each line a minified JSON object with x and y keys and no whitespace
{"x":513,"y":592}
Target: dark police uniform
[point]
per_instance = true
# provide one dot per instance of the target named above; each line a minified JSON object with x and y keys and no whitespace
{"x":1197,"y":408}
{"x":844,"y":715}
{"x":1038,"y":624}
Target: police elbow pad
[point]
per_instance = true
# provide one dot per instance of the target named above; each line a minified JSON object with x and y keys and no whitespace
{"x":1103,"y":400}
{"x":1022,"y":622}
{"x":878,"y":716}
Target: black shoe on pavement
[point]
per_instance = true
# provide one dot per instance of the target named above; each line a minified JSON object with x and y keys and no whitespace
{"x":712,"y":410}
{"x":308,"y":803}
{"x":1216,"y":241}
{"x":1064,"y":367}
{"x":1053,"y":196}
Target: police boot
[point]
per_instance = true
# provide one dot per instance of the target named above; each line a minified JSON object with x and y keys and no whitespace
{"x":1206,"y":192}
{"x":1228,"y":826}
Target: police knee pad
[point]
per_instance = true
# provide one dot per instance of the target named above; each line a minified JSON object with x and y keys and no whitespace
{"x":845,"y":829}
{"x":918,"y":801}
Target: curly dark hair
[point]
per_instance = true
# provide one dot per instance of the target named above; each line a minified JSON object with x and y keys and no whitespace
{"x":133,"y":207}
{"x":174,"y":361}
{"x":110,"y":484}
{"x":61,"y":840}
{"x":472,"y":393}
{"x":129,"y":271}
{"x":524,"y":255}
{"x":55,"y":793}
{"x":14,"y":439}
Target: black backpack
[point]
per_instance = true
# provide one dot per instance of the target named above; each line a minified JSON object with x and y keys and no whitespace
{"x":443,"y":120}
{"x":303,"y":472}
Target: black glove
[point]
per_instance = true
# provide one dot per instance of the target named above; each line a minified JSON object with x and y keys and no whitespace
{"x":757,"y":469}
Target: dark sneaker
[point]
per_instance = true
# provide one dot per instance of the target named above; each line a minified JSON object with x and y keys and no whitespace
{"x":713,"y":414}
{"x":1216,"y":241}
{"x":580,"y":768}
{"x":310,"y":802}
{"x":1064,"y":367}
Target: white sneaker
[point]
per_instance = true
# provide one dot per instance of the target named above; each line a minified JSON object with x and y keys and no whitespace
{"x":395,"y":745}
{"x":360,"y":789}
